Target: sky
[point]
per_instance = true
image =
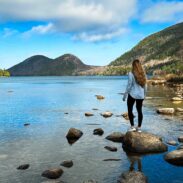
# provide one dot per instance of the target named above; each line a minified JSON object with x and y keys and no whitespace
{"x":96,"y":31}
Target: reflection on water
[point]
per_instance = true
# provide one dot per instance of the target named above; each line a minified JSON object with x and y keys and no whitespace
{"x":43,"y":103}
{"x":135,"y":160}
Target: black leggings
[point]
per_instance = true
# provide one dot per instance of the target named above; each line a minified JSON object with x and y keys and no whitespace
{"x":130,"y":103}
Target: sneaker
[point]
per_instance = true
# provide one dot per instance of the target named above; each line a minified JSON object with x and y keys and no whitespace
{"x":139,"y":129}
{"x":132,"y":129}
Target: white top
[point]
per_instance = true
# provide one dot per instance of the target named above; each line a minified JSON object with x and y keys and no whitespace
{"x":134,"y":89}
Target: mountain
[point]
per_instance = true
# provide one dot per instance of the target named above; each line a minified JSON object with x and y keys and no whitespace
{"x":40,"y":65}
{"x":160,"y":51}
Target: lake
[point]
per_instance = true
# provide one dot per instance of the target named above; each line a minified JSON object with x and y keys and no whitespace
{"x":43,"y":102}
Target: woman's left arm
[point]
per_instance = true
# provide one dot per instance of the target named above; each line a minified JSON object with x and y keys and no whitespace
{"x":129,"y":86}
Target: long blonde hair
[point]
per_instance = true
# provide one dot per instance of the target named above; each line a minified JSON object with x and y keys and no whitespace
{"x":138,"y":72}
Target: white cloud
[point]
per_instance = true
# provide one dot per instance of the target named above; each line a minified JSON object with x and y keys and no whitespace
{"x":73,"y":16}
{"x":40,"y":29}
{"x":163,"y":12}
{"x":8,"y":32}
{"x":88,"y":37}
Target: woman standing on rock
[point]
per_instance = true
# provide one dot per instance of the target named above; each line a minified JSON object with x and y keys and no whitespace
{"x":136,"y":91}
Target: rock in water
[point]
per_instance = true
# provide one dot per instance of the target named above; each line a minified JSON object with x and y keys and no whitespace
{"x":67,"y":164}
{"x":165,"y":110}
{"x":109,"y":148}
{"x":176,"y":99}
{"x":133,"y":177}
{"x":54,"y":173}
{"x":107,"y":114}
{"x":172,"y":142}
{"x":74,"y":133}
{"x":23,"y":167}
{"x":116,"y":137}
{"x":143,"y":143}
{"x":180,"y":139}
{"x":178,"y":109}
{"x":125,"y":115}
{"x":90,"y":181}
{"x":98,"y":131}
{"x":175,"y":157}
{"x":100,"y":97}
{"x":88,"y":114}
{"x":27,"y":124}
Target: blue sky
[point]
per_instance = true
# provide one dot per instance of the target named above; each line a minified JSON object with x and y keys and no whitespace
{"x":97,"y":31}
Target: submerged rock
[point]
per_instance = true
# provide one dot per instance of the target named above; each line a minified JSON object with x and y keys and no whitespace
{"x":100,"y":97}
{"x":143,"y":143}
{"x":107,"y":114}
{"x":23,"y":167}
{"x":27,"y":124}
{"x":175,"y":157}
{"x":73,"y":135}
{"x":133,"y":177}
{"x":109,"y":148}
{"x":116,"y":137}
{"x":112,"y":159}
{"x":98,"y":131}
{"x":67,"y":164}
{"x":54,"y":173}
{"x":165,"y":110}
{"x":88,"y":114}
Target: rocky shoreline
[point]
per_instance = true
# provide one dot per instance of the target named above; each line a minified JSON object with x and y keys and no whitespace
{"x":145,"y":143}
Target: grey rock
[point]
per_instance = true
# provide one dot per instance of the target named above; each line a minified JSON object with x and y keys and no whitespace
{"x":116,"y":137}
{"x":107,"y":114}
{"x":109,"y":148}
{"x":90,"y":181}
{"x":67,"y":164}
{"x":88,"y":114}
{"x":98,"y":131}
{"x":133,"y":177}
{"x":180,"y":139}
{"x":165,"y":111}
{"x":23,"y":167}
{"x":53,"y":173}
{"x":143,"y":143}
{"x":172,"y":142}
{"x":175,"y":157}
{"x":74,"y":133}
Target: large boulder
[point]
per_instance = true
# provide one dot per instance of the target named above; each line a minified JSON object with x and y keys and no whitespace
{"x":133,"y":177}
{"x":165,"y":110}
{"x":115,"y":137}
{"x":175,"y":157}
{"x":54,"y":173}
{"x":143,"y":143}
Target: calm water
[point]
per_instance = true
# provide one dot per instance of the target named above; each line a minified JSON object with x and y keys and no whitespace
{"x":42,"y":102}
